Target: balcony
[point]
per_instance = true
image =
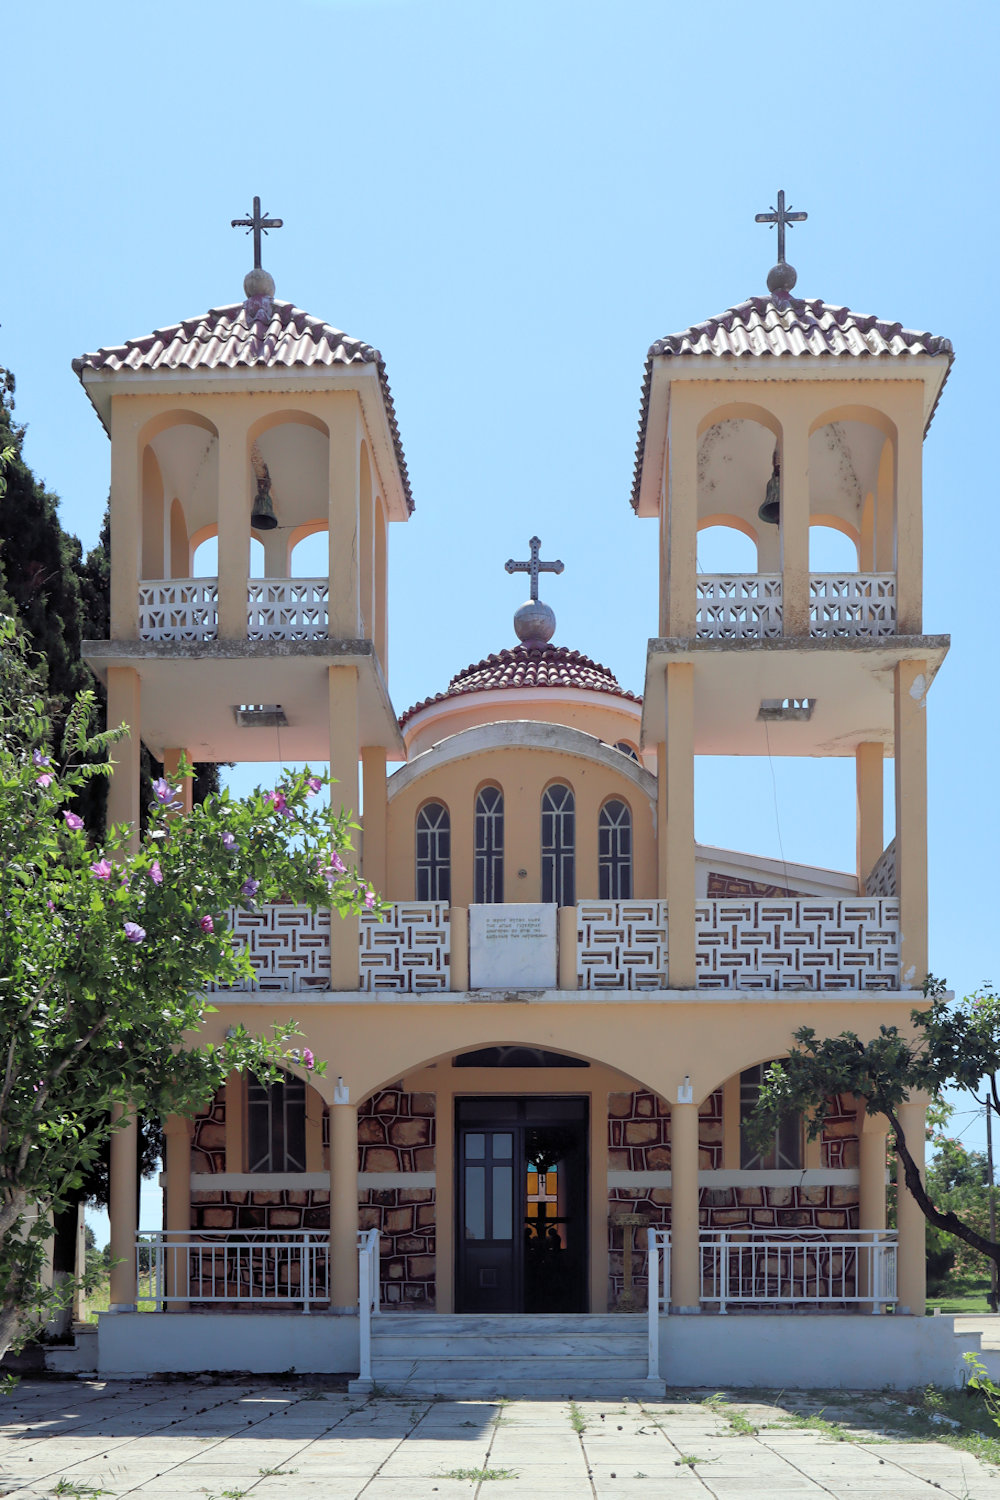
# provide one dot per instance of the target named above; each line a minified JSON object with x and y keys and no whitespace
{"x":278,"y":609}
{"x":747,"y":606}
{"x":808,"y":943}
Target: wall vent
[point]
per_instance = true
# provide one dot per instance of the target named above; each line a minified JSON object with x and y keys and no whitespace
{"x":786,"y":708}
{"x":260,"y":715}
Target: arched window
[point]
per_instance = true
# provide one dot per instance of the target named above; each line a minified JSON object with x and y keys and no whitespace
{"x":489,"y":845}
{"x":627,"y":749}
{"x":614,"y":851}
{"x":785,"y":1147}
{"x":276,"y":1125}
{"x":433,"y":853}
{"x":558,"y":845}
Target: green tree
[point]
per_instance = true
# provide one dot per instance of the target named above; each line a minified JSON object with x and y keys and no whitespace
{"x":105,"y":957}
{"x":950,"y":1046}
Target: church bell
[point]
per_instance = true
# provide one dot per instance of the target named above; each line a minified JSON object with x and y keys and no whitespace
{"x":770,"y":511}
{"x":262,"y":517}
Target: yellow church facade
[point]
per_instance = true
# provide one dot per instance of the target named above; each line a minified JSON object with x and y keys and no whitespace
{"x":540,"y":1058}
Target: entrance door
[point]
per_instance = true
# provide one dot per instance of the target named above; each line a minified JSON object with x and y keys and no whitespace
{"x":522,"y":1205}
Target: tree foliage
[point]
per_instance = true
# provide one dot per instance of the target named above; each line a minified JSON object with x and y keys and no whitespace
{"x":105,"y":956}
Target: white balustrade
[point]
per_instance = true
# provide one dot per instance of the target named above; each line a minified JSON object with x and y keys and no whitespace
{"x":408,"y":951}
{"x":882,"y":880}
{"x":738,"y":606}
{"x":287,"y":609}
{"x":621,"y":945}
{"x":251,"y":1267}
{"x":289,"y":946}
{"x":797,"y":943}
{"x":793,"y":1267}
{"x":852,"y":604}
{"x":368,"y":1296}
{"x":179,"y":609}
{"x":658,"y":1296}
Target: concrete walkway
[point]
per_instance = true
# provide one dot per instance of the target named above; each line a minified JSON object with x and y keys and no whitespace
{"x":165,"y":1441}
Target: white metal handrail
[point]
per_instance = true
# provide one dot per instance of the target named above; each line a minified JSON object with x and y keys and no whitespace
{"x":658,"y":1298}
{"x":789,"y":1267}
{"x":369,"y":1300}
{"x":263,"y":1267}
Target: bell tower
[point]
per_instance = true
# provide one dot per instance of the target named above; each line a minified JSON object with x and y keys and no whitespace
{"x":257,"y":427}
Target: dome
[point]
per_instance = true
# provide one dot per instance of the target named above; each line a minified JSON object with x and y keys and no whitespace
{"x":528,"y":667}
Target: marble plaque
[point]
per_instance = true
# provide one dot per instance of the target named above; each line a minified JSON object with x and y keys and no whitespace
{"x":512,"y":947}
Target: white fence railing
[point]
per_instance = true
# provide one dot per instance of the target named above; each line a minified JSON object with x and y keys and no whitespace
{"x":862,"y":604}
{"x":410,"y":951}
{"x":287,"y":609}
{"x":621,"y":945}
{"x":368,"y":1296}
{"x":258,"y":1267}
{"x":179,"y":609}
{"x":794,"y":1267}
{"x":289,"y":946}
{"x":882,"y":880}
{"x":733,"y":606}
{"x":797,"y":943}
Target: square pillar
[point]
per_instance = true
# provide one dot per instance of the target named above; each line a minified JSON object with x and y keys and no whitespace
{"x":870,"y":822}
{"x":171,"y":760}
{"x":677,"y":837}
{"x":682,"y":519}
{"x":795,"y":530}
{"x":909,"y":516}
{"x":731,"y":1134}
{"x":177,"y":1131}
{"x":234,"y":531}
{"x":314,"y":1129}
{"x":872,"y":1131}
{"x":685,"y":1274}
{"x":343,"y":682}
{"x":344,"y":613}
{"x":375,"y":815}
{"x":911,"y":1264}
{"x":123,"y":1211}
{"x":910,"y":722}
{"x":343,"y":1205}
{"x":126,"y":512}
{"x":123,"y":787}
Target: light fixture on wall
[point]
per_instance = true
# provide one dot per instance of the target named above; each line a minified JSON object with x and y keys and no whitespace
{"x":685,"y":1093}
{"x":770,"y":511}
{"x":341,"y":1092}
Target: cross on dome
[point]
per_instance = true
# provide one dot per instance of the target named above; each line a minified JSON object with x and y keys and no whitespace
{"x":534,"y":622}
{"x":782,"y":277}
{"x":258,"y":282}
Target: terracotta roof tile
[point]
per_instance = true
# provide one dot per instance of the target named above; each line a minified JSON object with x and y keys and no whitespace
{"x":259,"y":333}
{"x":760,"y":327}
{"x":528,"y":667}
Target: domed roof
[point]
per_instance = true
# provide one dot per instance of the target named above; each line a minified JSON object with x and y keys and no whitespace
{"x":526,"y":666}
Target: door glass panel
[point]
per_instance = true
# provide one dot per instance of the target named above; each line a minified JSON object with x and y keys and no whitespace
{"x":503,"y":1205}
{"x":475,"y":1147}
{"x":475,"y":1203}
{"x":503,"y":1147}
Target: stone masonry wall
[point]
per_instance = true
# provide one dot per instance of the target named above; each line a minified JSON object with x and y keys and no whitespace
{"x":396,"y":1133}
{"x":208,"y":1136}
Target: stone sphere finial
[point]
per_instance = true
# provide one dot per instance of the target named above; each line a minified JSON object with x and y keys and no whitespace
{"x":258,"y":283}
{"x":781,"y":278}
{"x":535,"y":623}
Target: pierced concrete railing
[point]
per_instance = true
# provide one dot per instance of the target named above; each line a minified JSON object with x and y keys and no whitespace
{"x":797,"y":943}
{"x":740,"y":606}
{"x":287,"y":609}
{"x":179,"y":609}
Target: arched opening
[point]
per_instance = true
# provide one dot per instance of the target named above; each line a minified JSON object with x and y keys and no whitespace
{"x":276,"y":1124}
{"x":784,"y":1150}
{"x":258,"y":561}
{"x":180,"y":550}
{"x":310,"y":553}
{"x":559,"y":845}
{"x":381,"y":583}
{"x":736,"y":454}
{"x":614,"y":851}
{"x":851,"y":482}
{"x":726,"y":548}
{"x":205,"y":553}
{"x":832,"y":548}
{"x":488,"y":852}
{"x":180,"y":460}
{"x":152,"y":516}
{"x":433,"y":852}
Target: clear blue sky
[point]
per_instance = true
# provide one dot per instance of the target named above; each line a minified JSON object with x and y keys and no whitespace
{"x":512,"y":203}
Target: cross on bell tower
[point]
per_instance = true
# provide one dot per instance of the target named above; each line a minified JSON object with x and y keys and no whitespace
{"x":534,"y":622}
{"x":258,"y":282}
{"x":782,"y":277}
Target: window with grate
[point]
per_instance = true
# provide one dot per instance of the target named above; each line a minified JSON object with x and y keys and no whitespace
{"x":276,"y":1125}
{"x":558,"y":845}
{"x":489,"y":845}
{"x":785,"y":1149}
{"x":433,"y":853}
{"x":614,"y":851}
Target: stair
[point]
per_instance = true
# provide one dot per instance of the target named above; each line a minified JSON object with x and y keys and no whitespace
{"x":538,"y":1355}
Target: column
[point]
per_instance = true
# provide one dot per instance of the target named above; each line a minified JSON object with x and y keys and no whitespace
{"x":343,"y":1206}
{"x":275,"y":552}
{"x":870,"y":834}
{"x":177,"y":1131}
{"x":795,"y":529}
{"x":459,"y":949}
{"x":910,"y":725}
{"x":344,"y":766}
{"x":345,"y":520}
{"x":568,"y":978}
{"x":234,"y":531}
{"x":909,"y":517}
{"x":235,"y":1118}
{"x":685,"y":1292}
{"x":732,"y":1155}
{"x":679,"y":831}
{"x":123,"y":1209}
{"x":314,"y":1129}
{"x":376,"y":815}
{"x":125,"y":525}
{"x":123,"y":788}
{"x":871,"y":1190}
{"x":682,"y":518}
{"x":171,"y":760}
{"x":911,"y":1265}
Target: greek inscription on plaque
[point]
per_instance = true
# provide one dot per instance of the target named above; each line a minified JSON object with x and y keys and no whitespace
{"x":512,"y":947}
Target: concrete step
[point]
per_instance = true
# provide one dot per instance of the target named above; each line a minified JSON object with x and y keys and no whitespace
{"x":505,"y":1346}
{"x":564,"y":1388}
{"x":474,"y":1366}
{"x":587,"y":1324}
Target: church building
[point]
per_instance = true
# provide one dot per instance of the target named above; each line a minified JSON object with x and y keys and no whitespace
{"x":526,"y":1167}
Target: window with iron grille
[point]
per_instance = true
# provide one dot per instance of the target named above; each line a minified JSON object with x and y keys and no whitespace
{"x":614,"y":851}
{"x":276,"y":1125}
{"x":558,"y":845}
{"x":489,"y":845}
{"x":433,"y":853}
{"x":785,"y":1148}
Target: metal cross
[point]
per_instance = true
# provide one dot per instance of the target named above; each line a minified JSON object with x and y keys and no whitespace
{"x":533,"y":567}
{"x":780,"y":216}
{"x":256,"y":224}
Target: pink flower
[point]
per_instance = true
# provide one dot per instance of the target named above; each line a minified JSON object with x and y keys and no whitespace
{"x":73,"y":822}
{"x":155,"y":873}
{"x":135,"y":933}
{"x":229,"y":841}
{"x":250,"y":887}
{"x":163,"y":791}
{"x":313,"y":785}
{"x":206,"y":924}
{"x":369,"y":900}
{"x":44,"y":780}
{"x":308,"y":1061}
{"x":102,"y":870}
{"x":278,"y":799}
